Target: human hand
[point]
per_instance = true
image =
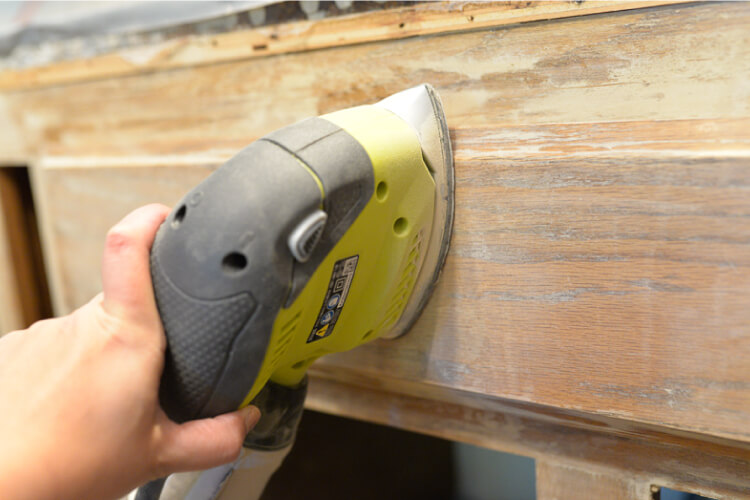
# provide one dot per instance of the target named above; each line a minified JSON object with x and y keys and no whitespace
{"x":79,"y":406}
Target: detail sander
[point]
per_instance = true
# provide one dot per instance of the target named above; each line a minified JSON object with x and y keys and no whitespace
{"x":314,"y":239}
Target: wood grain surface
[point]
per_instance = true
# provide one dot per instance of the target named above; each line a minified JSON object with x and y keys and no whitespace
{"x":556,"y":481}
{"x":420,"y":19}
{"x":600,"y":261}
{"x":637,"y":66}
{"x":618,"y":457}
{"x":13,"y":150}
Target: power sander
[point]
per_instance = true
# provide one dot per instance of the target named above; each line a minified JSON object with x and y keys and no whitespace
{"x":314,"y":239}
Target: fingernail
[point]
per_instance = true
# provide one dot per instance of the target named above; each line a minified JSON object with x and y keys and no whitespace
{"x":252,"y":415}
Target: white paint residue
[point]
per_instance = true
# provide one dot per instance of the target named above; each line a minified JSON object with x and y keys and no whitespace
{"x":69,"y":162}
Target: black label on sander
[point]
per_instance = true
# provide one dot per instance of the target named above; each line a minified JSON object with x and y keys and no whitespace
{"x":333,"y":304}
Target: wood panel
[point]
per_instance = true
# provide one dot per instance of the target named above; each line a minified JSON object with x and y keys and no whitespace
{"x":13,"y":150}
{"x":555,"y":481}
{"x":638,"y":66}
{"x":81,"y":204}
{"x":598,"y":445}
{"x":620,"y":280}
{"x":417,"y":20}
{"x":600,"y":255}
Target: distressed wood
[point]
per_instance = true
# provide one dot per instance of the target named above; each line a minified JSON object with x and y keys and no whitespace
{"x":641,"y":253}
{"x":418,"y":20}
{"x":603,"y":445}
{"x":594,"y":303}
{"x":592,"y":69}
{"x":102,"y":197}
{"x":555,"y":481}
{"x":600,"y":265}
{"x":13,"y":149}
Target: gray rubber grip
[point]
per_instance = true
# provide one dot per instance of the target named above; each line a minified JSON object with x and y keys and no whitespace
{"x":196,"y":356}
{"x":221,"y":270}
{"x":221,"y":265}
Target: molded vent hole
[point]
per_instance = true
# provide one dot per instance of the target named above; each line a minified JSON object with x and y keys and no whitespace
{"x":400,"y":226}
{"x":179,"y":216}
{"x":234,"y":262}
{"x":381,"y":191}
{"x":285,"y":338}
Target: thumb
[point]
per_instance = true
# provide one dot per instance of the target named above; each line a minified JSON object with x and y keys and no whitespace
{"x":209,"y":442}
{"x":126,"y":278}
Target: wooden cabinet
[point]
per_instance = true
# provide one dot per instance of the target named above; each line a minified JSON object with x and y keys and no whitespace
{"x":594,"y":308}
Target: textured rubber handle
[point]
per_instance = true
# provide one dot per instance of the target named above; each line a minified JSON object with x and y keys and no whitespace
{"x":221,"y":265}
{"x":221,"y":270}
{"x":199,"y":336}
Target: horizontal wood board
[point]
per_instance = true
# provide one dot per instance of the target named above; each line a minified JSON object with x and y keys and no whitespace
{"x":600,"y":256}
{"x":556,"y":481}
{"x":619,"y":460}
{"x":419,"y":19}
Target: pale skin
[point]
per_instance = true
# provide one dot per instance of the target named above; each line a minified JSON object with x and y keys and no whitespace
{"x":79,"y":407}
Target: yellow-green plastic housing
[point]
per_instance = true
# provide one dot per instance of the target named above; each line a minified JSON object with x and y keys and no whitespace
{"x":388,"y":236}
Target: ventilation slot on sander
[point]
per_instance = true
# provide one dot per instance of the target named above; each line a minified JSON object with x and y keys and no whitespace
{"x":409,"y":269}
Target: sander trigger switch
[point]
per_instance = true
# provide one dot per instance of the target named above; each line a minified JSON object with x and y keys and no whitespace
{"x":305,"y":237}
